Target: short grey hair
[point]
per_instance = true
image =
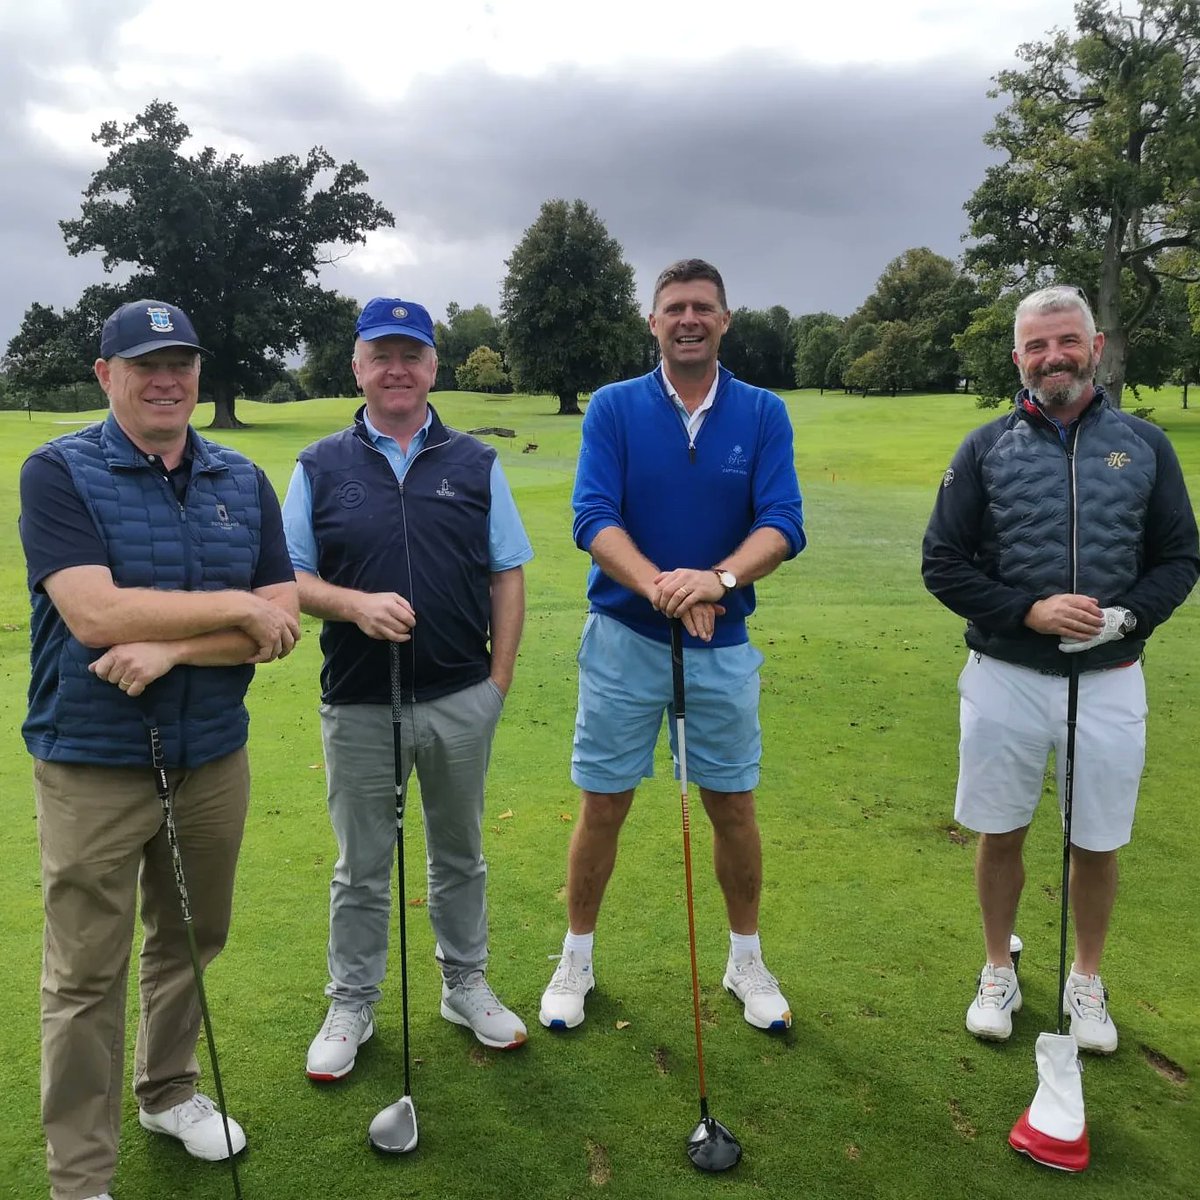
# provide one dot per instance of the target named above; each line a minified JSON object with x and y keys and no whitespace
{"x":1062,"y":297}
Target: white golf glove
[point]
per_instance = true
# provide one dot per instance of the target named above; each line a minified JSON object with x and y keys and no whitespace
{"x":1114,"y":627}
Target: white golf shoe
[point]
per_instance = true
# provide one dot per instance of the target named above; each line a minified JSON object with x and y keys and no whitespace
{"x":562,"y":1001}
{"x":198,"y":1125}
{"x":332,"y":1052}
{"x":1085,"y":1000}
{"x":763,"y":1005}
{"x":102,"y":1196}
{"x":471,"y":1002}
{"x":991,"y":1012}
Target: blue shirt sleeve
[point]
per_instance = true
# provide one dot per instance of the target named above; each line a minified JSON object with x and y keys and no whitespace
{"x":598,"y":490}
{"x":508,"y":543}
{"x":273,"y":564}
{"x":777,"y":501}
{"x":297,"y":522}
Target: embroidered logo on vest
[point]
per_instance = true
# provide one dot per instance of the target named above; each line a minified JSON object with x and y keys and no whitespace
{"x":224,"y":520}
{"x":1117,"y":459}
{"x":948,"y":478}
{"x":445,"y":490}
{"x":351,"y":494}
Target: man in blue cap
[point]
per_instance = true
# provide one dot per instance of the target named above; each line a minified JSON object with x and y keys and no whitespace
{"x":159,"y":576}
{"x":399,"y":516}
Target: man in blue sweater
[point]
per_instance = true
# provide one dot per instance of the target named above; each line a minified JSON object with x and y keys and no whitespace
{"x":158,"y":575}
{"x":685,"y":494}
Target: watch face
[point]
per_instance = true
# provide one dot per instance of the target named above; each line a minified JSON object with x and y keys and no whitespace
{"x":727,"y":579}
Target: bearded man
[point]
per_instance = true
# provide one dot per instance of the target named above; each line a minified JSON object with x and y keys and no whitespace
{"x":1062,"y":531}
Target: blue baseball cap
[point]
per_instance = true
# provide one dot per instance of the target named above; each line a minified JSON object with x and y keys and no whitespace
{"x":141,"y":326}
{"x":388,"y":317}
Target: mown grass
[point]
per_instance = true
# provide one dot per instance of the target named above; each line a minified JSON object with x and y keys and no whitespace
{"x":869,"y":914}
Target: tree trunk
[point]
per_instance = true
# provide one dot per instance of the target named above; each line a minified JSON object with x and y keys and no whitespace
{"x":1110,"y":370}
{"x":224,"y":416}
{"x":1185,"y":388}
{"x":568,"y":404}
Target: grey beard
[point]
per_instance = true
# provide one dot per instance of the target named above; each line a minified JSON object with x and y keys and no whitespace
{"x":1063,"y":395}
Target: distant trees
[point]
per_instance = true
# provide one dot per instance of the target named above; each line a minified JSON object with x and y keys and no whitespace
{"x":483,"y":372}
{"x":817,"y":337}
{"x":236,"y":244}
{"x":327,"y":331}
{"x":1102,"y":145}
{"x":759,"y":347}
{"x":53,"y":353}
{"x":571,"y":323}
{"x":464,"y":330}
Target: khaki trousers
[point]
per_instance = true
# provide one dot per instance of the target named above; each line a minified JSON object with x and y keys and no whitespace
{"x":102,"y":833}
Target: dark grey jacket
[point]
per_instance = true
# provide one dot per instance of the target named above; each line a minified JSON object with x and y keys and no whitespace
{"x":1029,"y":510}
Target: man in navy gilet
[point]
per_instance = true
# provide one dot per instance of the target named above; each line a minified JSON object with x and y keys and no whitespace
{"x":403,"y":530}
{"x":159,"y":576}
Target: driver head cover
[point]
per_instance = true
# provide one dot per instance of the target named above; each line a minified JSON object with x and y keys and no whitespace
{"x":1052,"y":1130}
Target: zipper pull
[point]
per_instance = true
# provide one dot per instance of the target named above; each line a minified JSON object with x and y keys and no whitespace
{"x":691,"y":451}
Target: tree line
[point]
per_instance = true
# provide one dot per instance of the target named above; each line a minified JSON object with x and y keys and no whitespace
{"x":1098,"y":184}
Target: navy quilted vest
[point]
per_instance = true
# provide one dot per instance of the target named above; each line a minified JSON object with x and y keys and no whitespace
{"x":209,"y":544}
{"x":426,"y":539}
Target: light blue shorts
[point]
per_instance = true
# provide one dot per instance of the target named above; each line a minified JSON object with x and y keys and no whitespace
{"x":624,"y":689}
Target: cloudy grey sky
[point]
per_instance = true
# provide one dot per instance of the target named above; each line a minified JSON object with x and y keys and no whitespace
{"x":798,"y":146}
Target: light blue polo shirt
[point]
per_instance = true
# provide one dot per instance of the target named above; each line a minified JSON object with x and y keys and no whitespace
{"x":508,"y":543}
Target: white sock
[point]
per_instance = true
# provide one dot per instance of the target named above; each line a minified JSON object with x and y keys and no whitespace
{"x":743,"y":945}
{"x":579,"y":944}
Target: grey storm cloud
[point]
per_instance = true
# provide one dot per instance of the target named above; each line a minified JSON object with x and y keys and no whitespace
{"x":800,"y":183}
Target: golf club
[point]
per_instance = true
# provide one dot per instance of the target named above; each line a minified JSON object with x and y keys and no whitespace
{"x":163,"y":788}
{"x":1053,"y":1131}
{"x":710,"y":1146}
{"x":394,"y":1129}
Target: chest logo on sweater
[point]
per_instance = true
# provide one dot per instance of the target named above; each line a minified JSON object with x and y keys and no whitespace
{"x":445,"y":490}
{"x":735,"y":464}
{"x":224,"y":520}
{"x":1117,"y":459}
{"x":351,"y":494}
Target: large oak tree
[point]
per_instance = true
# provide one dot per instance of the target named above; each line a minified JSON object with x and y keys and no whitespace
{"x":236,"y":244}
{"x":1101,"y":141}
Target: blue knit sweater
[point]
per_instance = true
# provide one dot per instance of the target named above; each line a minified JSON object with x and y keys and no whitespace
{"x":684,"y":504}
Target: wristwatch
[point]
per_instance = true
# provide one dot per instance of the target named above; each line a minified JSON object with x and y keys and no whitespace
{"x":1128,"y":620}
{"x":728,"y":578}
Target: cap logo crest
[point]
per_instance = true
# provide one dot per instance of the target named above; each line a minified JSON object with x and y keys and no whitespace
{"x":400,"y":311}
{"x":160,"y":320}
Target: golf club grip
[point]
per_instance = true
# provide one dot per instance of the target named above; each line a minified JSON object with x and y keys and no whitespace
{"x":394,"y":664}
{"x":677,"y":665}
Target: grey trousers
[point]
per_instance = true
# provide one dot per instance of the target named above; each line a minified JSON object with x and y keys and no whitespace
{"x":449,"y":742}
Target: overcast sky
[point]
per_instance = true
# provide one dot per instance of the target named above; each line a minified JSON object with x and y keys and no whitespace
{"x":798,"y":146}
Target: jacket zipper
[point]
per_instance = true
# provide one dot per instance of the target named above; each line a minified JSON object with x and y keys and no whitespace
{"x":412,"y":646}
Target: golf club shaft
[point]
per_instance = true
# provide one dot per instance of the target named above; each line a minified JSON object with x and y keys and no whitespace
{"x":1068,"y":804}
{"x":398,"y":755}
{"x":163,"y":788}
{"x":681,"y":741}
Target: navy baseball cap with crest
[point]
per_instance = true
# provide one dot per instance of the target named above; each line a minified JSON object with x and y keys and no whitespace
{"x":388,"y":317}
{"x":142,"y":326}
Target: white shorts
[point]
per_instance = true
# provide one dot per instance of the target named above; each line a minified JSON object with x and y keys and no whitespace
{"x":1011,"y":717}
